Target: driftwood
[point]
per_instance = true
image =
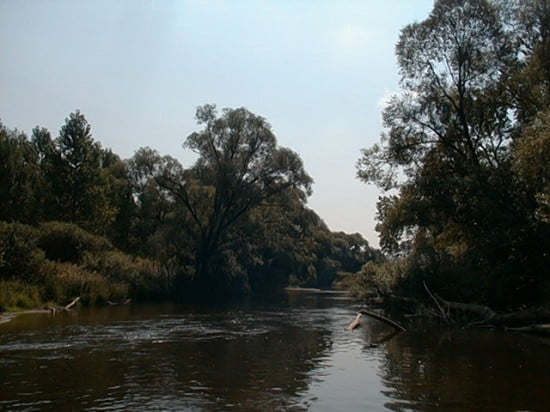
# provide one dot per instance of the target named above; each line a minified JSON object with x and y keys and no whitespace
{"x":70,"y":305}
{"x":54,"y":310}
{"x":528,"y":320}
{"x":535,"y":329}
{"x":357,"y":322}
{"x":67,"y":308}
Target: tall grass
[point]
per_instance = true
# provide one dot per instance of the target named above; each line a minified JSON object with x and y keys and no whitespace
{"x":57,"y":262}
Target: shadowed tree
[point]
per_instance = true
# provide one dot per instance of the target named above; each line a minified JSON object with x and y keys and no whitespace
{"x":239,"y":167}
{"x":457,"y":206}
{"x":18,"y":177}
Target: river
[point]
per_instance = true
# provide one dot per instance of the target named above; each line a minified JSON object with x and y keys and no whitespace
{"x":292,"y":353}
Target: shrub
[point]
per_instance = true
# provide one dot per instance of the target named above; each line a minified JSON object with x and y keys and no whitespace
{"x":143,"y":278}
{"x":60,"y":261}
{"x":69,"y":281}
{"x":20,"y":257}
{"x":67,"y":242}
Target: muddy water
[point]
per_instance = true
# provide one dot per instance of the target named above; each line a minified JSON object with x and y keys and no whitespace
{"x":290,"y":354}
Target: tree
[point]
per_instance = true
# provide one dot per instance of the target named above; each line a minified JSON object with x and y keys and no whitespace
{"x":240,"y":166}
{"x":78,"y":180}
{"x":18,"y":177}
{"x":531,"y":160}
{"x":456,"y":204}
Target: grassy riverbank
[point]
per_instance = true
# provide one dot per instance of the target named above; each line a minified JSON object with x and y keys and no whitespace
{"x":55,"y":262}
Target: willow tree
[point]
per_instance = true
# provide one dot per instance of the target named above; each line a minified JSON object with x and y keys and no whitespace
{"x":239,"y":167}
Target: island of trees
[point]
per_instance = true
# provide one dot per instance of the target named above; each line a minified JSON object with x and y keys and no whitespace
{"x":463,"y":163}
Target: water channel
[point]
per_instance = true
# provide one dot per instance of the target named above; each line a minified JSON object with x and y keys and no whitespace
{"x":292,"y":353}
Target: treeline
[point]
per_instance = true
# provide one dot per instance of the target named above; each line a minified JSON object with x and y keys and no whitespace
{"x":77,"y":220}
{"x":465,"y":159}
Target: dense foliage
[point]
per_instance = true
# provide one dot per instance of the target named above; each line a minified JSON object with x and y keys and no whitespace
{"x":75,"y":219}
{"x":464,"y":159}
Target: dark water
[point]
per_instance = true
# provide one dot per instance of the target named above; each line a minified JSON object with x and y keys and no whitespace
{"x":293,"y":354}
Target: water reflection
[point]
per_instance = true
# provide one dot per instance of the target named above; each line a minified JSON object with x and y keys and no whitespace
{"x":433,"y":370}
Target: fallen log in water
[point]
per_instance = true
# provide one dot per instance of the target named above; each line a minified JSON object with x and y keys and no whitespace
{"x":487,"y":316}
{"x":123,"y":302}
{"x":534,"y":329}
{"x":54,"y":310}
{"x":357,"y":322}
{"x":66,"y":308}
{"x":70,"y":305}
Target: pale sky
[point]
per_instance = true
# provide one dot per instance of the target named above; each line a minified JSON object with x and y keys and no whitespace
{"x":318,"y":71}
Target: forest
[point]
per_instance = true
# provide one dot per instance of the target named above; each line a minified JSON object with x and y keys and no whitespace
{"x":77,"y":220}
{"x":463,"y":165}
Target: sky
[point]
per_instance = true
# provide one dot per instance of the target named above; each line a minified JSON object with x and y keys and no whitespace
{"x":318,"y":71}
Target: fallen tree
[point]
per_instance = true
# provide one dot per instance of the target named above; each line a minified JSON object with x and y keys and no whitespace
{"x":51,"y":309}
{"x":357,"y":322}
{"x":66,"y":308}
{"x":528,"y":320}
{"x":534,"y":329}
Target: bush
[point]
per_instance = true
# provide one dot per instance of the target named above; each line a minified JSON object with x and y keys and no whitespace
{"x":69,"y":281}
{"x":20,"y":257}
{"x":60,"y":261}
{"x":67,"y":242}
{"x":143,"y":277}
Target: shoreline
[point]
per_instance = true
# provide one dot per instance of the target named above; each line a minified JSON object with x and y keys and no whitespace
{"x":6,"y":317}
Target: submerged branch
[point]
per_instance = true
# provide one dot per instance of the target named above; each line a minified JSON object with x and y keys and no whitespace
{"x":357,"y":322}
{"x":534,"y":329}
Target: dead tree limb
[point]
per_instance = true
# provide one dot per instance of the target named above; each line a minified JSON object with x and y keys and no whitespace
{"x":436,"y":301}
{"x":535,"y":329}
{"x":488,"y":316}
{"x":356,"y":323}
{"x":376,"y":316}
{"x":70,"y":305}
{"x":522,"y":317}
{"x":56,"y":309}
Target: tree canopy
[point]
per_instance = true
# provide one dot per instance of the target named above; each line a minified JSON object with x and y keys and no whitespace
{"x":234,"y":222}
{"x":461,"y":200}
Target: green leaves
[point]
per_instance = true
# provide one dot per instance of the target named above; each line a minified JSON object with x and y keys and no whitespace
{"x":473,"y":81}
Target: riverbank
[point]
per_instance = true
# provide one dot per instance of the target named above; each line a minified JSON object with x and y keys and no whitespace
{"x":50,"y":309}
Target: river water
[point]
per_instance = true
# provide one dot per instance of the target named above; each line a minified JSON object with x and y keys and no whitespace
{"x":290,"y":354}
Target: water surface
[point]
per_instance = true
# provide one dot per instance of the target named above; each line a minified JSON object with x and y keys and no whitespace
{"x":290,"y":354}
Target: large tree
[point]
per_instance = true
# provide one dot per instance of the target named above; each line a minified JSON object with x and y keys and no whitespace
{"x":75,"y":175}
{"x":239,"y":167}
{"x":454,"y":201}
